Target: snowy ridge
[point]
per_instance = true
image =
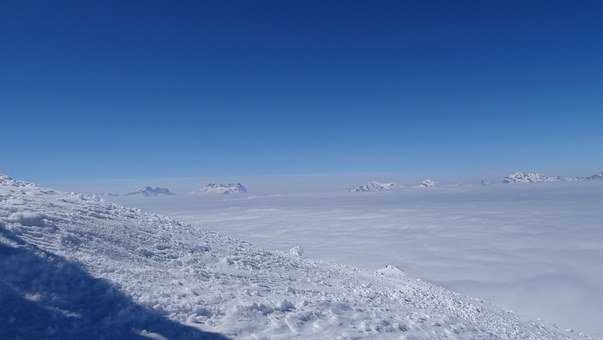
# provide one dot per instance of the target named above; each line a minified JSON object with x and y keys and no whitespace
{"x":428,"y":183}
{"x":529,"y":177}
{"x":596,"y":177}
{"x":230,"y":188}
{"x":375,"y":186}
{"x":148,"y":276}
{"x":534,"y":177}
{"x":150,"y":191}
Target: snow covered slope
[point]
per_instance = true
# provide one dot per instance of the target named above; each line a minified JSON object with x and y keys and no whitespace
{"x":150,"y":191}
{"x":74,"y":267}
{"x":230,"y":188}
{"x":375,"y":186}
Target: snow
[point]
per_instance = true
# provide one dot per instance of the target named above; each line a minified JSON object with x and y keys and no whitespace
{"x":101,"y":270}
{"x":596,"y":177}
{"x":534,"y":177}
{"x":214,"y":188}
{"x":529,"y":177}
{"x":296,"y":251}
{"x":375,"y":186}
{"x":535,"y":250}
{"x":27,"y":218}
{"x":427,"y":184}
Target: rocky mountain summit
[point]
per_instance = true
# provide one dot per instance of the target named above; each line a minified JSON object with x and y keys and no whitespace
{"x":374,"y":186}
{"x":596,"y":177}
{"x":428,"y":183}
{"x":229,"y":188}
{"x":151,"y":191}
{"x":529,"y":177}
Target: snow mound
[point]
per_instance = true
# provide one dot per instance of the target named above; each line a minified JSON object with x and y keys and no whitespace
{"x":151,"y":191}
{"x":296,"y":251}
{"x":529,"y":177}
{"x":391,"y":272}
{"x":427,"y":184}
{"x":230,"y":188}
{"x":108,"y":194}
{"x":375,"y":186}
{"x":100,"y":270}
{"x":7,"y":180}
{"x":27,"y":218}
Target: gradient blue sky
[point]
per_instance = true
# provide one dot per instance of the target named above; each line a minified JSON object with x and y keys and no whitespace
{"x":143,"y":89}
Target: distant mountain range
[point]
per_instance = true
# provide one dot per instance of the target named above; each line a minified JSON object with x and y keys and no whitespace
{"x":529,"y":177}
{"x":374,"y":186}
{"x":596,"y":177}
{"x":534,"y":177}
{"x":151,"y":191}
{"x":520,"y":177}
{"x":229,"y":188}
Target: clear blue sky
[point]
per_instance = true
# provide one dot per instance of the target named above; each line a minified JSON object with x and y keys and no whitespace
{"x":135,"y":89}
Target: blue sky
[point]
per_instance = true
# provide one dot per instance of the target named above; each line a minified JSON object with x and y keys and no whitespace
{"x":124,"y":89}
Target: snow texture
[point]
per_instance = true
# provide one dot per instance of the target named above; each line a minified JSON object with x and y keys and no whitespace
{"x":533,"y":249}
{"x":99,"y":270}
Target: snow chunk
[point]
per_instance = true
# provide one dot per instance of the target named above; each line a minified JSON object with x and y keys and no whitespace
{"x":151,"y":335}
{"x":285,"y":306}
{"x":296,"y":251}
{"x":391,"y":272}
{"x":28,"y":218}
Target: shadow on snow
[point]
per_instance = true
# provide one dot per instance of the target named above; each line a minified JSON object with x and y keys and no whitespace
{"x":45,"y":296}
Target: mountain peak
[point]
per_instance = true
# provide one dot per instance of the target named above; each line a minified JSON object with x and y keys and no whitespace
{"x":219,"y":188}
{"x":151,"y":191}
{"x":529,"y":177}
{"x":374,"y":186}
{"x":598,"y":176}
{"x":427,"y":183}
